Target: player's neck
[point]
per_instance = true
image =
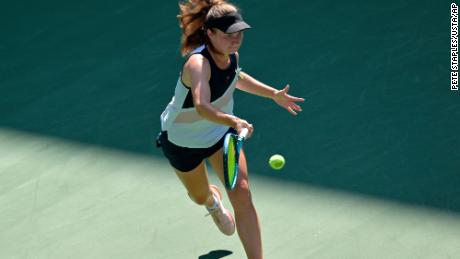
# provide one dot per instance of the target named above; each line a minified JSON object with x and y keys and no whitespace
{"x":220,"y":58}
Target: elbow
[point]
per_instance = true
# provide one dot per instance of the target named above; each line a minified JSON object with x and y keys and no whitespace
{"x":200,"y":108}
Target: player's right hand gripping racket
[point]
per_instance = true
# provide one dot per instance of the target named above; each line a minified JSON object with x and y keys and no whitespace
{"x":232,"y":146}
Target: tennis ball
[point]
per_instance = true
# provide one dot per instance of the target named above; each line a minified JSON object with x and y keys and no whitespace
{"x":276,"y":162}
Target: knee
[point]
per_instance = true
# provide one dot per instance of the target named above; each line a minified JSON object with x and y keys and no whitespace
{"x":200,"y":198}
{"x":241,"y":195}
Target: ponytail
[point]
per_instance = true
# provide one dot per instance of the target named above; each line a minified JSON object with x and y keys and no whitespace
{"x":192,"y":16}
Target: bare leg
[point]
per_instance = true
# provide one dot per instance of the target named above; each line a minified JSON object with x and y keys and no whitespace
{"x":247,"y":221}
{"x":199,"y":190}
{"x":197,"y":184}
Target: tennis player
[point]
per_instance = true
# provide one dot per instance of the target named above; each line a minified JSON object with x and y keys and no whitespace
{"x":199,"y":115}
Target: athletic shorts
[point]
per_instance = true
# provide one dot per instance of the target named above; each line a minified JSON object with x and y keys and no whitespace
{"x":186,"y":159}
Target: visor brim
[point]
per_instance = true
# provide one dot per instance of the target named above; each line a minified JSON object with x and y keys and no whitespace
{"x":236,"y":27}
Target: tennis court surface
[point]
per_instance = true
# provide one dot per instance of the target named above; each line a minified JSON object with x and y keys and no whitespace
{"x":372,"y":162}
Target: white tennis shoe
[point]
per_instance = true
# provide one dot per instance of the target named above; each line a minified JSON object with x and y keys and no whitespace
{"x":222,"y":217}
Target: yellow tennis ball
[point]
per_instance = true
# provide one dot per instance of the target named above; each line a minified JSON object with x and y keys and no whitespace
{"x":276,"y":162}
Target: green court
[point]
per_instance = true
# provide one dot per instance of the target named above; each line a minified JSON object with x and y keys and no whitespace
{"x":372,"y":162}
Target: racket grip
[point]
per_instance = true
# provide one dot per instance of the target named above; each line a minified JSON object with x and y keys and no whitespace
{"x":243,"y":134}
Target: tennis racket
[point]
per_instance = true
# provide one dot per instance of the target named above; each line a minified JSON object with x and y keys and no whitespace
{"x":232,"y":146}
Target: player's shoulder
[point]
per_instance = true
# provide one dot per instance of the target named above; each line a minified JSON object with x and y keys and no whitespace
{"x":197,"y":62}
{"x":197,"y":66}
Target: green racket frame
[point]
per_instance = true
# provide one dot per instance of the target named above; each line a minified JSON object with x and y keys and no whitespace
{"x":232,"y":146}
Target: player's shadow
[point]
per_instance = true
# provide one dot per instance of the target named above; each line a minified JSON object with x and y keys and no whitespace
{"x":215,"y":254}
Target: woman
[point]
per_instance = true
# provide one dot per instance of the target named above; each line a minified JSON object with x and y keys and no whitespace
{"x":201,"y":113}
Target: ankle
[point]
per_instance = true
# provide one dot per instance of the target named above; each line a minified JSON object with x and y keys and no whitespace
{"x":211,"y":203}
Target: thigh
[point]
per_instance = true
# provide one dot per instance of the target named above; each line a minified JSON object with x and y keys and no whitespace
{"x":217,"y":163}
{"x":195,"y":181}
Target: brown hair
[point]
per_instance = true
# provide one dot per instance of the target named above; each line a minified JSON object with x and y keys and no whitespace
{"x":192,"y":16}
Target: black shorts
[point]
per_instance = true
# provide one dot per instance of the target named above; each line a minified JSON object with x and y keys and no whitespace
{"x":186,"y":159}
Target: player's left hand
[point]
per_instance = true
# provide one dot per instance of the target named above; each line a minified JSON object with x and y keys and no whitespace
{"x":288,"y":102}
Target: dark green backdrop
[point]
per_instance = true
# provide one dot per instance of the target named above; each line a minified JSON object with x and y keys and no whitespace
{"x":379,"y":118}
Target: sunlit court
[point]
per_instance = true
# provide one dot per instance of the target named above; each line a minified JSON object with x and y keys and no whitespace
{"x":62,"y":199}
{"x":368,"y":168}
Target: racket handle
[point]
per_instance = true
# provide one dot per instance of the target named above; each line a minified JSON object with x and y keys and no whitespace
{"x":243,"y":134}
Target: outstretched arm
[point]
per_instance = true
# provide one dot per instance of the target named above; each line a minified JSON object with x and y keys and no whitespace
{"x":251,"y":85}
